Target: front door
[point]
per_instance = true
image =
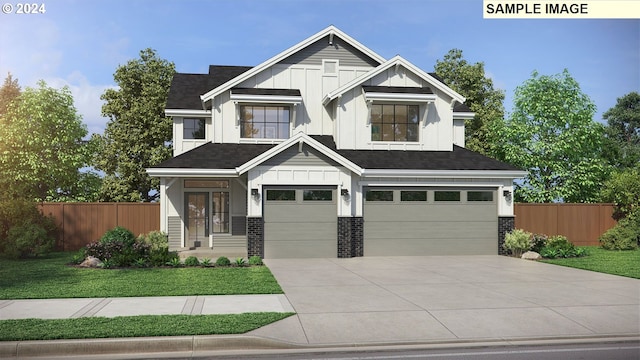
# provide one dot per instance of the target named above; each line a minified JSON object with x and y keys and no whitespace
{"x":197,"y":222}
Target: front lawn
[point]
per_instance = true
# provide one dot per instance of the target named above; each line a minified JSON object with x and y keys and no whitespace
{"x":51,"y":278}
{"x":134,"y":326}
{"x":615,"y":262}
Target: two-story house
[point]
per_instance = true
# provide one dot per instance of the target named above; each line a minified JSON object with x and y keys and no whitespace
{"x":328,"y":150}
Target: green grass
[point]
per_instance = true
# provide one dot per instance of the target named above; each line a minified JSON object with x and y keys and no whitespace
{"x":134,"y":326}
{"x":51,"y":278}
{"x":623,"y":263}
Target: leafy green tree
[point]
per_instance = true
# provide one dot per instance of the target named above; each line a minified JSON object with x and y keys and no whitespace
{"x":9,"y":91}
{"x":41,"y":147}
{"x":551,"y":133}
{"x":138,"y":134}
{"x":470,"y":81}
{"x":623,"y":190}
{"x":622,"y":134}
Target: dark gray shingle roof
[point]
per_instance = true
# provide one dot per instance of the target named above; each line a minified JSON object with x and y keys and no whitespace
{"x":230,"y":156}
{"x":186,"y":89}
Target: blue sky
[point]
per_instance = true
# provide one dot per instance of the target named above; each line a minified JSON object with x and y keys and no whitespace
{"x":80,"y":43}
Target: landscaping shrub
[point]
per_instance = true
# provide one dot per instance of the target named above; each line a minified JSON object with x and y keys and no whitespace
{"x":27,"y":217}
{"x":559,"y":246}
{"x":624,"y":236}
{"x":240,"y":262}
{"x":223,"y":261}
{"x":157,"y":239}
{"x":538,"y":242}
{"x":517,"y":241}
{"x":119,"y":247}
{"x":28,"y":239}
{"x":119,"y":234}
{"x":255,"y":260}
{"x":191,"y":261}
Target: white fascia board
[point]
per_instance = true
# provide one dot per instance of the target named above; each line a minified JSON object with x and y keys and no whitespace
{"x":290,"y":51}
{"x":297,"y":138}
{"x":400,"y":97}
{"x":177,"y":172}
{"x":186,"y":112}
{"x":502,"y":174}
{"x":396,"y":60}
{"x":281,"y":99}
{"x":464,"y":115}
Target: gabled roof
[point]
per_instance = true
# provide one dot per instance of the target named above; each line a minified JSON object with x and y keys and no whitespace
{"x":329,"y":31}
{"x":186,"y":89}
{"x":395,"y":61}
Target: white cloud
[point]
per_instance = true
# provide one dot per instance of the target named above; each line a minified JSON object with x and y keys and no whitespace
{"x":86,"y":98}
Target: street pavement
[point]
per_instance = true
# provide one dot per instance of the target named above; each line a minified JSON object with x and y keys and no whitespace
{"x":375,"y":301}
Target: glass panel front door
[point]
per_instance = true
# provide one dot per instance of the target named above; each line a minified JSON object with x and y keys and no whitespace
{"x":197,"y":214}
{"x":220,"y":216}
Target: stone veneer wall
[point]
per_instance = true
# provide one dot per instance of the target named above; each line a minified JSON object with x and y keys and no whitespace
{"x":505,"y":224}
{"x":255,"y":237}
{"x":350,"y":237}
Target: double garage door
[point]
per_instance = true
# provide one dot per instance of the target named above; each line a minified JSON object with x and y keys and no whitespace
{"x":302,"y":222}
{"x":430,"y":222}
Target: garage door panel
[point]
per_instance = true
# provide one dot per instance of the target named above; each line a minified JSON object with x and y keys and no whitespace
{"x":428,"y":212}
{"x":413,"y":230}
{"x":289,"y":230}
{"x":436,"y":247}
{"x":300,"y":249}
{"x":301,"y":213}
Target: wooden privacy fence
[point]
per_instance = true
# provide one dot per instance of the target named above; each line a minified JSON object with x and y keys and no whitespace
{"x":82,"y":223}
{"x":582,"y":224}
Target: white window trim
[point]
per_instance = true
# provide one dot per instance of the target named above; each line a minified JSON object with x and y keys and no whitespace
{"x":293,"y":106}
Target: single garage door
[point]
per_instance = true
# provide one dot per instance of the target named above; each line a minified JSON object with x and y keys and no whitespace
{"x":430,"y":222}
{"x":300,"y":223}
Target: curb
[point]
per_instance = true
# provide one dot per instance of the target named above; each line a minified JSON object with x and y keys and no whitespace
{"x":207,"y":344}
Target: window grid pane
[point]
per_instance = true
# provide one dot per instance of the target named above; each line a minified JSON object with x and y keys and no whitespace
{"x":413,"y":196}
{"x":265,"y":122}
{"x":193,"y":129}
{"x":479,"y":195}
{"x":318,"y":195}
{"x":394,"y":122}
{"x":281,"y":195}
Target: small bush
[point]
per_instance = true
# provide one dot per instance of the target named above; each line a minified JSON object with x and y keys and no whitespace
{"x":118,"y":234}
{"x":175,"y":262}
{"x":162,"y":257}
{"x":28,"y":239}
{"x":517,"y":241}
{"x":191,"y":261}
{"x":223,"y":261}
{"x":538,"y":241}
{"x":157,"y":239}
{"x":255,"y":260}
{"x":559,"y":246}
{"x":240,"y":262}
{"x":205,"y":262}
{"x":624,"y":236}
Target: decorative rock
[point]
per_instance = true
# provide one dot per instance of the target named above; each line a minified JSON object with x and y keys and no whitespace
{"x":91,"y":262}
{"x":531,"y":255}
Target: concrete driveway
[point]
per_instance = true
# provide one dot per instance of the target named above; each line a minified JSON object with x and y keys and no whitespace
{"x":448,"y":298}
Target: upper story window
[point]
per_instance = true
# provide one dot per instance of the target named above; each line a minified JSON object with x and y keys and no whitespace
{"x":265,"y":122}
{"x":193,"y":128}
{"x":394,"y":122}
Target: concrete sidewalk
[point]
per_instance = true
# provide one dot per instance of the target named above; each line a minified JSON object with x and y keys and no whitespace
{"x":132,"y":306}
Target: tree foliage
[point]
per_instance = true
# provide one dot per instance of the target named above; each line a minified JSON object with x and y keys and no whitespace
{"x":9,"y":91}
{"x":138,"y":134}
{"x":41,"y":147}
{"x":623,"y":190}
{"x":551,"y":133}
{"x":470,"y":81}
{"x":622,"y":135}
